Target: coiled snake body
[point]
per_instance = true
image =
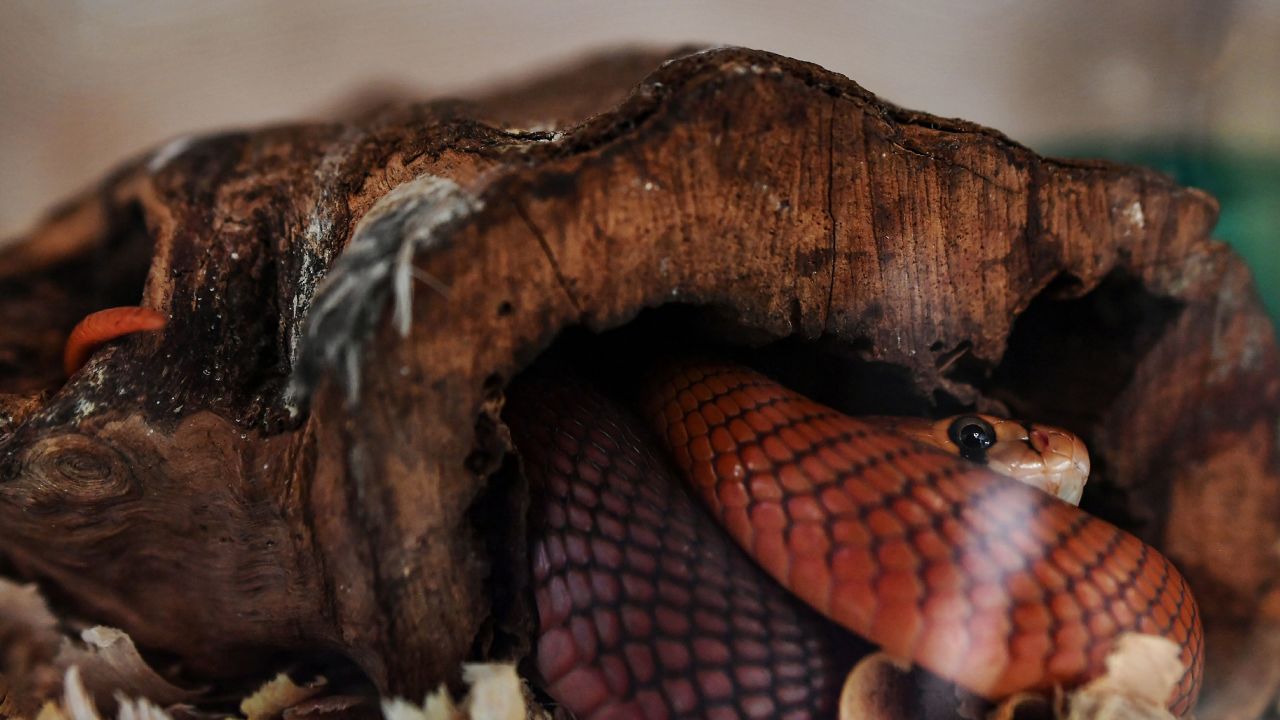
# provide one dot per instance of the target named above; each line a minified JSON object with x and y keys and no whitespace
{"x":648,"y":611}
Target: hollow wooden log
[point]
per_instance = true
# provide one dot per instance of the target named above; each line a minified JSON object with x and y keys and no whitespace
{"x":311,"y":458}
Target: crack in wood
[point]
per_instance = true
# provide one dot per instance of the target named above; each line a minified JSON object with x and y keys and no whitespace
{"x":831,"y":212}
{"x":549,"y":255}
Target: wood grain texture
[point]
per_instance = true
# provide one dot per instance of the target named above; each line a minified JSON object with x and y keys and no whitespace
{"x":214,"y":514}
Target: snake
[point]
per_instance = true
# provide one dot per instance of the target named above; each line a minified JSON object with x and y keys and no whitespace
{"x":721,"y":546}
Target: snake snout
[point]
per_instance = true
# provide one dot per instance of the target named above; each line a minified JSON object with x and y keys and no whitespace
{"x":1039,"y":440}
{"x":1042,"y":456}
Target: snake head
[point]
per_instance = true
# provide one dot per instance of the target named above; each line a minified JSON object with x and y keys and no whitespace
{"x":1042,"y":456}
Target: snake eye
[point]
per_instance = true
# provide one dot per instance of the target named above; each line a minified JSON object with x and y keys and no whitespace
{"x":973,"y":436}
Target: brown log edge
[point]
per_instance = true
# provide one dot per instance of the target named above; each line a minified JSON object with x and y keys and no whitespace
{"x":312,"y":459}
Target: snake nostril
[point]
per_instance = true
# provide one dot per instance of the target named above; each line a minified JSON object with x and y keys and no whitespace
{"x":1039,"y":440}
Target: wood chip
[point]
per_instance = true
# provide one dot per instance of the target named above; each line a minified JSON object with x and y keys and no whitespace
{"x":277,"y":695}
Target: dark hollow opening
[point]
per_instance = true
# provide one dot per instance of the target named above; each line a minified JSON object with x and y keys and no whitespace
{"x":45,"y":305}
{"x":1069,"y":358}
{"x":837,"y":372}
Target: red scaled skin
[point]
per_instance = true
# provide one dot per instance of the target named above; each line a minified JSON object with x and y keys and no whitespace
{"x":103,"y":326}
{"x":977,"y":577}
{"x":646,"y":608}
{"x":985,"y":581}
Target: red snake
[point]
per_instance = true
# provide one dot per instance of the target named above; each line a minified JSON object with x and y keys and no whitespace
{"x":647,"y":610}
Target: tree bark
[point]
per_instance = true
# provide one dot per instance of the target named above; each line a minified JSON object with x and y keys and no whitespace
{"x":311,"y":456}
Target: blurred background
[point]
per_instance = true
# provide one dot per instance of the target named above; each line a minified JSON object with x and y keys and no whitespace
{"x":1189,"y":86}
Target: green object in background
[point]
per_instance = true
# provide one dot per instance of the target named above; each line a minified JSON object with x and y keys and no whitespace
{"x":1246,"y":183}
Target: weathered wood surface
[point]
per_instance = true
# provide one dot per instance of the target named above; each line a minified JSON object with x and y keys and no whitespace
{"x":183,"y":487}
